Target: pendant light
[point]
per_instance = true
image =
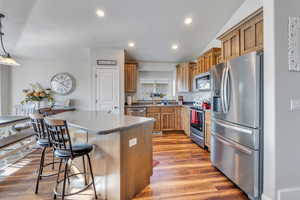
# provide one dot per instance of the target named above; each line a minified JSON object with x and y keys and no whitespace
{"x":5,"y":59}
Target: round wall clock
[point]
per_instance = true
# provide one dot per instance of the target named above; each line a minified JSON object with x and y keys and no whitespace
{"x":62,"y":83}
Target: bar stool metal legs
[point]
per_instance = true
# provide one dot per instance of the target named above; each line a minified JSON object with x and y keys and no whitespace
{"x":40,"y":170}
{"x":66,"y":177}
{"x":92,"y":175}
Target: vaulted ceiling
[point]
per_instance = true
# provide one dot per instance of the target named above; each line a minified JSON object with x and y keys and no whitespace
{"x":154,"y":25}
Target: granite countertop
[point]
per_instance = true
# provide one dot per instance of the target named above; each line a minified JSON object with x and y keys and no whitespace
{"x":155,"y":105}
{"x":8,"y":120}
{"x":63,"y":108}
{"x":101,"y":122}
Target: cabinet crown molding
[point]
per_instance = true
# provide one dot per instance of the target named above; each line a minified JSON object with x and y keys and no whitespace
{"x":245,"y":20}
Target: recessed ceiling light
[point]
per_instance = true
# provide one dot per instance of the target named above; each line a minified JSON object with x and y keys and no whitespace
{"x":100,"y":13}
{"x":188,"y":20}
{"x":131,"y":44}
{"x":175,"y":46}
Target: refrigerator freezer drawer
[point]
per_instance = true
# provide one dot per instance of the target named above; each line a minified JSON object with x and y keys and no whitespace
{"x":243,"y":135}
{"x":238,"y":163}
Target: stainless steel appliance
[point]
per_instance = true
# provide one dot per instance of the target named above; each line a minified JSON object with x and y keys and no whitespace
{"x":202,"y":82}
{"x":237,"y":132}
{"x":197,"y":126}
{"x":137,"y":111}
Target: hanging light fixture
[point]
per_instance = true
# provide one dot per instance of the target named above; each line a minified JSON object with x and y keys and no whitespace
{"x":5,"y":59}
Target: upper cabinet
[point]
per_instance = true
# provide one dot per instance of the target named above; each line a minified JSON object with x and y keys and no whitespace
{"x":184,"y":77}
{"x":231,"y":45}
{"x":130,"y":77}
{"x":207,"y":60}
{"x":252,"y":35}
{"x":243,"y":38}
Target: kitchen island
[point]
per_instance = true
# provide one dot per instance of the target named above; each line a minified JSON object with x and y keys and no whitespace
{"x":122,"y":155}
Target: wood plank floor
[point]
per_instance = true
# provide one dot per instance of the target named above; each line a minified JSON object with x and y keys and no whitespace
{"x":184,"y":172}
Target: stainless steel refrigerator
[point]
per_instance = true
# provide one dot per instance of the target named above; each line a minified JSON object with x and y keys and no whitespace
{"x":237,"y":128}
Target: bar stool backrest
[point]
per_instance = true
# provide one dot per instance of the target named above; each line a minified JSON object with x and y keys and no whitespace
{"x":59,"y":134}
{"x":37,"y":121}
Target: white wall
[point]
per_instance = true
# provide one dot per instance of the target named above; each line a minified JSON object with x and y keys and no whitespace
{"x":47,"y":62}
{"x":247,"y":8}
{"x":282,"y":127}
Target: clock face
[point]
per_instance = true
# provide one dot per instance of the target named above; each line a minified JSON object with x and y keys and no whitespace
{"x":62,"y":83}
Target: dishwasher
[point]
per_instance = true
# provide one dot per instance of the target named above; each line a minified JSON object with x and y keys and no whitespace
{"x":139,"y":111}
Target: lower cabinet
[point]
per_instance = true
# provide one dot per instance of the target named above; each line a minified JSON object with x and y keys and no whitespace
{"x":167,"y":118}
{"x":167,"y":121}
{"x":186,"y":120}
{"x":207,"y":129}
{"x":156,"y":116}
{"x":178,"y":124}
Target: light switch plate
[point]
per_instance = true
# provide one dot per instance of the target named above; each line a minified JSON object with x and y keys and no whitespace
{"x":132,"y":142}
{"x":295,"y":104}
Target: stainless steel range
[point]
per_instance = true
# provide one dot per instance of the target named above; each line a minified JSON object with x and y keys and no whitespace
{"x":197,"y":126}
{"x":237,"y":128}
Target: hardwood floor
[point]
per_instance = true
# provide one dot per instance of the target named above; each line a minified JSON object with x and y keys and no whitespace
{"x":184,"y":172}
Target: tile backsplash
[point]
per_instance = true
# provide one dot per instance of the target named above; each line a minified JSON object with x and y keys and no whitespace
{"x":195,"y":96}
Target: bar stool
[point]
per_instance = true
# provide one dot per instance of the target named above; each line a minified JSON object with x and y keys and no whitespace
{"x":37,"y":121}
{"x":64,"y":150}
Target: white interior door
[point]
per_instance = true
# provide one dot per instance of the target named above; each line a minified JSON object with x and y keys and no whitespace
{"x":107,"y":90}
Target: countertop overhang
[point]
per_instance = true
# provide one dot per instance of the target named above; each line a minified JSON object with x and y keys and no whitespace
{"x":99,"y":122}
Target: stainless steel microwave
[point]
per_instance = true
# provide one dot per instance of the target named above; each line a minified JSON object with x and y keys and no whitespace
{"x":202,"y":82}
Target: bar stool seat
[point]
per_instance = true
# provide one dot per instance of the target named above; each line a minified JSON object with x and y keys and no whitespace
{"x":44,"y":143}
{"x":78,"y":150}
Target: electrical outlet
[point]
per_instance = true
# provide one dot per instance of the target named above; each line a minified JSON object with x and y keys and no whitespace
{"x":295,"y":104}
{"x":132,"y":142}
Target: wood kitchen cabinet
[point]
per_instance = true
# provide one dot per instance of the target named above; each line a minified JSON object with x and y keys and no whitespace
{"x":130,"y":77}
{"x":156,"y":116}
{"x":252,"y":35}
{"x":185,"y":121}
{"x":168,"y":118}
{"x":184,"y":77}
{"x":154,"y":112}
{"x":245,"y":37}
{"x":178,"y":124}
{"x":231,"y":45}
{"x":206,"y":61}
{"x":207,"y":129}
{"x":167,"y":121}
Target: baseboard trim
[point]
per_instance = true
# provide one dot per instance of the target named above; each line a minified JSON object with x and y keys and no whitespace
{"x":289,"y":194}
{"x":265,"y":197}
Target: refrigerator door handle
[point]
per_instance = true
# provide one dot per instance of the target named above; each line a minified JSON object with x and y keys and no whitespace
{"x":234,"y":145}
{"x":226,"y":90}
{"x":222,"y":90}
{"x":240,"y":129}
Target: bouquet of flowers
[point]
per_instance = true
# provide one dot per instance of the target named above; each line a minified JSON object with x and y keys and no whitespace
{"x":37,"y":94}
